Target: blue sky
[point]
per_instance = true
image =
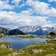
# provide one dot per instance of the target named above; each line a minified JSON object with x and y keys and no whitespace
{"x":17,"y":13}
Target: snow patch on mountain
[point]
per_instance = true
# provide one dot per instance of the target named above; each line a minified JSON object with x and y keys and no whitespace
{"x":36,"y":29}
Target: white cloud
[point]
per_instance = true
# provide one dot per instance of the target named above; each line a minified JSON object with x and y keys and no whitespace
{"x":52,"y":0}
{"x":23,"y":19}
{"x":13,"y":19}
{"x":5,"y":5}
{"x":42,"y":8}
{"x":37,"y":7}
{"x":16,"y":2}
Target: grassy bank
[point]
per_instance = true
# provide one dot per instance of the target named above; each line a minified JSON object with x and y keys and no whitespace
{"x":22,"y":36}
{"x":28,"y":36}
{"x":43,"y":49}
{"x":2,"y":35}
{"x":47,"y":48}
{"x":5,"y":49}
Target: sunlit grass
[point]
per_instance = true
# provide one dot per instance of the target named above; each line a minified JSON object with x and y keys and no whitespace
{"x":41,"y":49}
{"x":47,"y":48}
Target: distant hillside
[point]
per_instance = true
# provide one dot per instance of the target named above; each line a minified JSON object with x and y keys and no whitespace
{"x":10,"y":32}
{"x":15,"y":32}
{"x":3,"y":30}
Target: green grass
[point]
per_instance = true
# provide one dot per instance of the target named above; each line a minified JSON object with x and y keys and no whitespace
{"x":4,"y":43}
{"x":2,"y":35}
{"x":4,"y":51}
{"x":41,"y":49}
{"x":47,"y":48}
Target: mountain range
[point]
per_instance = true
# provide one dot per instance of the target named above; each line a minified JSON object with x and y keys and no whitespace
{"x":36,"y":30}
{"x":10,"y":32}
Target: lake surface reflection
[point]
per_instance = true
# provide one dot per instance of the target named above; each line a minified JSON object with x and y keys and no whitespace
{"x":18,"y":42}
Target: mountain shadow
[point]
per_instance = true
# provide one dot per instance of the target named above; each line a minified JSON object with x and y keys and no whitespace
{"x":15,"y":32}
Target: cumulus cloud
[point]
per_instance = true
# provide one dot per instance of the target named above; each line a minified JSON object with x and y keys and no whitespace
{"x":25,"y":18}
{"x":16,"y":2}
{"x":21,"y":19}
{"x":42,"y":8}
{"x":4,"y":5}
{"x":52,"y":0}
{"x":37,"y":7}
